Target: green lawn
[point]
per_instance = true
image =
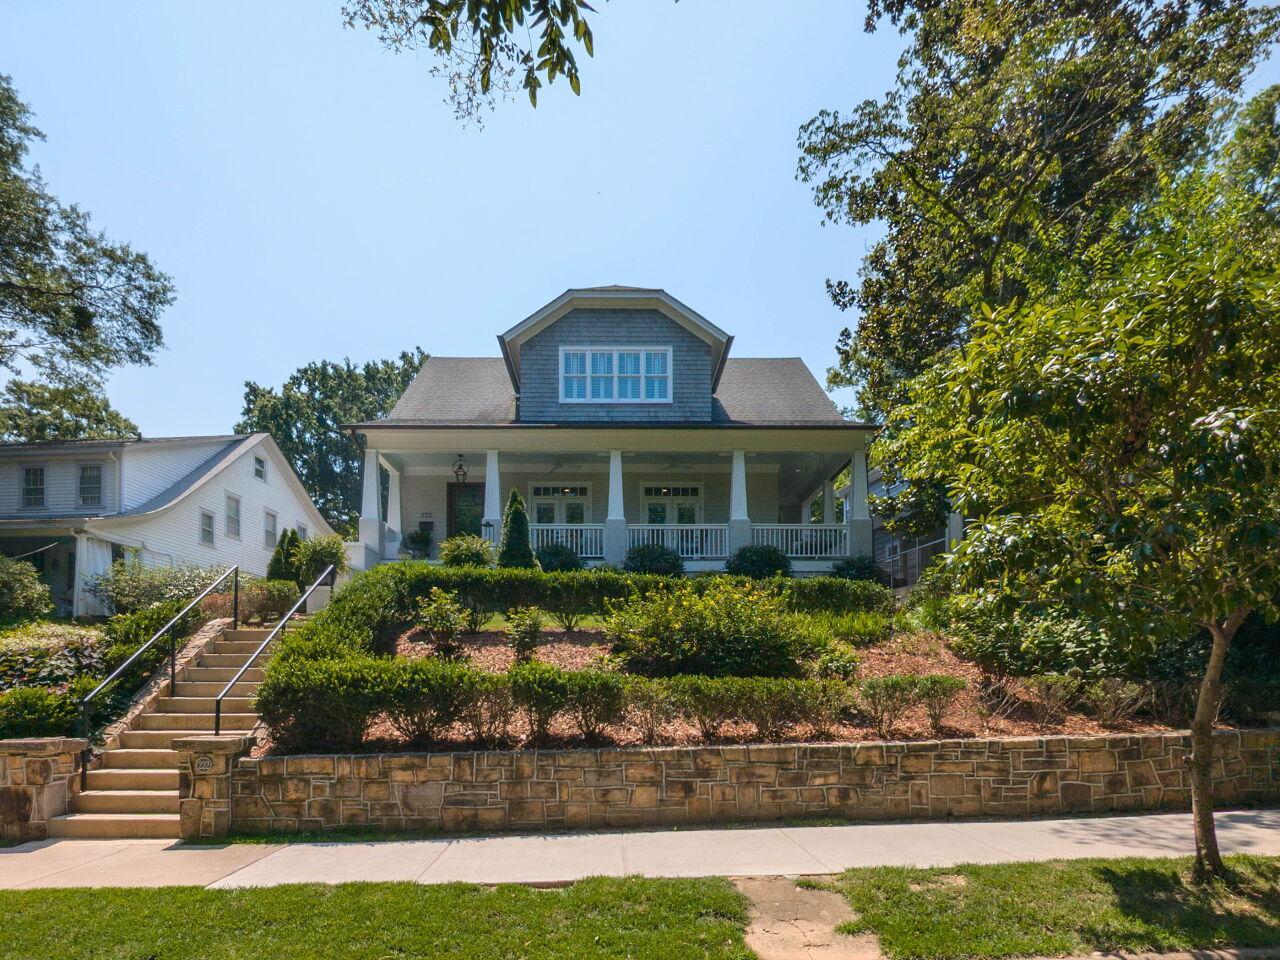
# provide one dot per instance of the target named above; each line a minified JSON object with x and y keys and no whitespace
{"x":1063,"y":907}
{"x":598,"y":918}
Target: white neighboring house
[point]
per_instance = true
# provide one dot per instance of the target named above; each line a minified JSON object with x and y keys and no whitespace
{"x":73,"y":507}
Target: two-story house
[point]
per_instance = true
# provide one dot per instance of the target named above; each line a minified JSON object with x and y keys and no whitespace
{"x":619,"y":415}
{"x":72,"y":507}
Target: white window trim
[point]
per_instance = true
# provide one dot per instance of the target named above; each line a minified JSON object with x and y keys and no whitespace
{"x":44,"y":486}
{"x":615,"y":350}
{"x":302,"y":531}
{"x":265,"y":529}
{"x":226,"y":526}
{"x":213,"y":529}
{"x":560,"y":501}
{"x":102,"y":485}
{"x":260,"y":460}
{"x":645,"y":500}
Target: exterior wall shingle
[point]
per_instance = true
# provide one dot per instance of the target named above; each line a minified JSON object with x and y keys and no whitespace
{"x":540,"y":368}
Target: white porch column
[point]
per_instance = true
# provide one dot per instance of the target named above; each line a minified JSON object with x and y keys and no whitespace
{"x":828,"y":501}
{"x":955,"y":529}
{"x":739,"y":516}
{"x":394,"y":532}
{"x":93,"y":558}
{"x":493,"y":494}
{"x":615,"y":522}
{"x":858,"y":513}
{"x":371,"y":527}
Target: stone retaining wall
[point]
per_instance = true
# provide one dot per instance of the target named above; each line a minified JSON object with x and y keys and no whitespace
{"x":224,"y":790}
{"x":36,"y":778}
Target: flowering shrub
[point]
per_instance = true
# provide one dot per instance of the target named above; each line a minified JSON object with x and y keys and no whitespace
{"x":129,"y":585}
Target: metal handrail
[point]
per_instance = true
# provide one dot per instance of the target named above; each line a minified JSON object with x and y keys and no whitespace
{"x":233,"y":570}
{"x":275,"y":631}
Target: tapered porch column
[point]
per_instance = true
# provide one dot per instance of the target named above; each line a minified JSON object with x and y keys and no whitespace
{"x":492,"y":494}
{"x":828,"y":501}
{"x":858,"y":513}
{"x":739,"y":516}
{"x":394,"y":531}
{"x":615,"y":522}
{"x":371,"y":529}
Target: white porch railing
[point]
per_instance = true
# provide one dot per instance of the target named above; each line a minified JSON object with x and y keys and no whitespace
{"x":803,"y":540}
{"x":585,"y":539}
{"x":691,"y":541}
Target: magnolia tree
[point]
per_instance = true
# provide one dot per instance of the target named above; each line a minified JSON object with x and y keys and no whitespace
{"x":1118,"y":447}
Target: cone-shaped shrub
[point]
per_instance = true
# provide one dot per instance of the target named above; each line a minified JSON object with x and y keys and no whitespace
{"x":516,"y":550}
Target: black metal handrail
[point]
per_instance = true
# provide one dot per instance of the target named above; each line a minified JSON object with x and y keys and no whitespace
{"x":275,"y":631}
{"x":231,"y":571}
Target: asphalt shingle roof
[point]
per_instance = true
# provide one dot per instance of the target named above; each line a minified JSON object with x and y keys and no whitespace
{"x":476,"y":391}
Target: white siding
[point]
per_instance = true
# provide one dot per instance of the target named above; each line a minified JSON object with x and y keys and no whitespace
{"x":61,"y":486}
{"x":172,"y":536}
{"x":151,"y":469}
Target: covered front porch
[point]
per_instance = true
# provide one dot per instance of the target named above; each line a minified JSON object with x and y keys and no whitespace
{"x":701,"y":492}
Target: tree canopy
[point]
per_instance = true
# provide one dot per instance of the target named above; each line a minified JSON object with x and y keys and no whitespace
{"x":1117,"y":445}
{"x":305,"y":417}
{"x":487,"y":46}
{"x":1014,"y":134}
{"x":73,"y":304}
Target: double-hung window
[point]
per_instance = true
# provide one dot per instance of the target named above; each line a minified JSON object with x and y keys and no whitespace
{"x":33,"y":487}
{"x":233,"y":517}
{"x":270,"y":531}
{"x":615,"y":375}
{"x":206,"y":528}
{"x":90,"y":488}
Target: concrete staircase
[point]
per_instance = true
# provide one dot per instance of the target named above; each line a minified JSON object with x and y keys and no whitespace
{"x":133,"y":792}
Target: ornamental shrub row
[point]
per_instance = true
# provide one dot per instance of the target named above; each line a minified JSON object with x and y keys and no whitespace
{"x":370,"y":612}
{"x":329,"y":704}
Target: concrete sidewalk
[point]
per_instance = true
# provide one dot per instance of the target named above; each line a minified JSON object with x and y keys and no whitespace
{"x":557,"y":858}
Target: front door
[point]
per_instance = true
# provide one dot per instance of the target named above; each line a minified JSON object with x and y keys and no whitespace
{"x":466,"y":508}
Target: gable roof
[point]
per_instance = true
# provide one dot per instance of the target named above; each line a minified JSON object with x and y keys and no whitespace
{"x":476,"y":391}
{"x":614,"y":297}
{"x":21,"y":447}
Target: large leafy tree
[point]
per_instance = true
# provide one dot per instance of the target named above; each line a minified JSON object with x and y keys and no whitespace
{"x":1117,"y":445}
{"x":486,"y":47}
{"x":73,"y":304}
{"x":305,"y":416}
{"x":1015,"y":131}
{"x":41,"y":411}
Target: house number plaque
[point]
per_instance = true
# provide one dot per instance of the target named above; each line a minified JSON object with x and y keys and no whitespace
{"x":204,"y":764}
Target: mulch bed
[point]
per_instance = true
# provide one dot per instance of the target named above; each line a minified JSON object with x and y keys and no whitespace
{"x":912,"y":653}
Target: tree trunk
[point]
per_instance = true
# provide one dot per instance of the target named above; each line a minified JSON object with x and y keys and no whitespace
{"x":1200,"y":763}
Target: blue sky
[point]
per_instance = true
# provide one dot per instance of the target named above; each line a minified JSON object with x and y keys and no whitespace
{"x":314,"y":198}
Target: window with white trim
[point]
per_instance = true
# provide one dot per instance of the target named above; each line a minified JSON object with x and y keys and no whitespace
{"x":673,"y":503}
{"x":90,"y":486}
{"x":615,"y":375}
{"x":33,"y":487}
{"x":560,"y":503}
{"x":301,"y":530}
{"x":206,"y":527}
{"x":270,"y":533}
{"x":260,"y":468}
{"x":233,"y":516}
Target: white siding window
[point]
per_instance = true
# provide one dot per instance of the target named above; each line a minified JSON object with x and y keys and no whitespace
{"x":233,"y":517}
{"x":33,"y":487}
{"x":270,"y":533}
{"x":90,"y":488}
{"x":206,"y":528}
{"x":615,"y":375}
{"x":260,"y":468}
{"x":302,"y":531}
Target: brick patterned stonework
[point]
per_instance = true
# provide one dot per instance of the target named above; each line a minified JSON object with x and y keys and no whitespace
{"x":553,"y":789}
{"x":36,"y":778}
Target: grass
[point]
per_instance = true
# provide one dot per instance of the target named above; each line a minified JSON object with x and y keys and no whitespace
{"x":1063,"y":907}
{"x":598,"y":918}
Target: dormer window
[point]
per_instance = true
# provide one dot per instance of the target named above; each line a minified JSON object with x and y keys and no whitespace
{"x":615,"y":374}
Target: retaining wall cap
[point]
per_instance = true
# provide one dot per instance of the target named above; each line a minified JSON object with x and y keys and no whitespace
{"x":226,"y":744}
{"x":43,"y":746}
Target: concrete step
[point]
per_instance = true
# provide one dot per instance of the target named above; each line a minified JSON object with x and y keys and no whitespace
{"x":115,"y":825}
{"x":193,"y":721}
{"x":203,"y":705}
{"x":125,"y":801}
{"x":247,"y":634}
{"x":220,"y":675}
{"x":233,"y":660}
{"x":157,"y":739}
{"x":211,"y":688}
{"x":127,"y":759}
{"x":241,"y":647}
{"x":139,"y":779}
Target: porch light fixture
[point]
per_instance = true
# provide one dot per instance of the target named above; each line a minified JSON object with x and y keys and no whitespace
{"x":460,"y":469}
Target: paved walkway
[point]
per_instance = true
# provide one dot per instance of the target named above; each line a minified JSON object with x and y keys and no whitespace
{"x":557,"y":858}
